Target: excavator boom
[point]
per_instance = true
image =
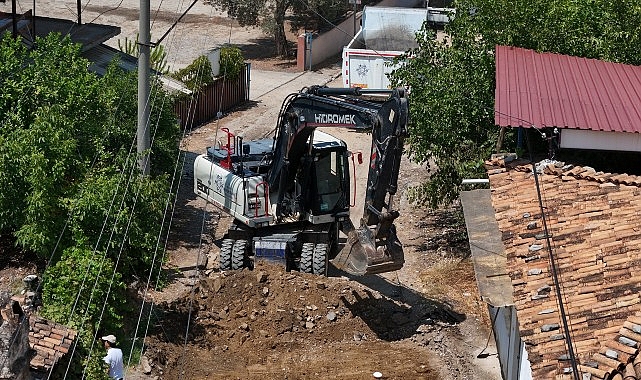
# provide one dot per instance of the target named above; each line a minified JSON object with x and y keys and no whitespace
{"x":374,"y":247}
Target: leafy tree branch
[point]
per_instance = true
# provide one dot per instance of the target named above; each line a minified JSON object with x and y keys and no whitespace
{"x":452,"y":77}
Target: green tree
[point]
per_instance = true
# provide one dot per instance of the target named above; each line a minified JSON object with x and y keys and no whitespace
{"x":452,"y":80}
{"x":272,"y":15}
{"x":322,"y":15}
{"x":267,"y":14}
{"x":69,"y":180}
{"x":232,"y":62}
{"x":98,"y":307}
{"x":197,"y":75}
{"x":49,"y":118}
{"x":61,"y":122}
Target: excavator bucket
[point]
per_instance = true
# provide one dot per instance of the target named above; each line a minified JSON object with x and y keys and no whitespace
{"x":362,"y":256}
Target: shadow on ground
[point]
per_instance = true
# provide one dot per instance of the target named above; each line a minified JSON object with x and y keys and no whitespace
{"x":190,"y":218}
{"x":401,"y":312}
{"x":265,"y":48}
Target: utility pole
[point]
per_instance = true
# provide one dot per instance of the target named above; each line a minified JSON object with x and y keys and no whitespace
{"x":356,"y":4}
{"x":14,"y":19}
{"x":144,"y":43}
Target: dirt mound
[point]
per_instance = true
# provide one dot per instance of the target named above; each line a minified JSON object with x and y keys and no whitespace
{"x":247,"y":324}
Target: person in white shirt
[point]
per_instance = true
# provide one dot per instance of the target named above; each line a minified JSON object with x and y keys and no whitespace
{"x":113,"y":359}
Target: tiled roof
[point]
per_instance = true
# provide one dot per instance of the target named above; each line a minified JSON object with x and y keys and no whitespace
{"x":553,"y":90}
{"x":50,"y":340}
{"x":593,"y":222}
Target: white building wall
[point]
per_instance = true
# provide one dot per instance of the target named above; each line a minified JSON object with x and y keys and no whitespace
{"x":600,"y":140}
{"x":511,"y":350}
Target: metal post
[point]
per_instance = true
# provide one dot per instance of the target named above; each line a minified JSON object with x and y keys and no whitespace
{"x":14,"y":19}
{"x":354,"y":18}
{"x":79,"y":8}
{"x":143,"y":140}
{"x":308,"y":45}
{"x":33,"y":22}
{"x":355,"y":3}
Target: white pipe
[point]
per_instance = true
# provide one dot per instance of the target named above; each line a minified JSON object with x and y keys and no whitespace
{"x":474,"y":181}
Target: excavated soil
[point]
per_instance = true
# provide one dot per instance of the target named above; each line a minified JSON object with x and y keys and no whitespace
{"x":425,"y":321}
{"x":268,"y":323}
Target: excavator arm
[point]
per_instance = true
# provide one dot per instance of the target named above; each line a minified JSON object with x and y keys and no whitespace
{"x":372,"y":247}
{"x":307,"y":110}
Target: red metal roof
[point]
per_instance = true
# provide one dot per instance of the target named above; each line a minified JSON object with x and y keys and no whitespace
{"x":553,"y":90}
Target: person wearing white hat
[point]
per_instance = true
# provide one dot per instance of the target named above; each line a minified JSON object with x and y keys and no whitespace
{"x":114,"y":358}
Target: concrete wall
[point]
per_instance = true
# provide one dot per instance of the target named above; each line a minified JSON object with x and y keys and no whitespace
{"x":331,"y":43}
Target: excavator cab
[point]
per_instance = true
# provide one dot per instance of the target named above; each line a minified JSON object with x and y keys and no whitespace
{"x":330,"y":176}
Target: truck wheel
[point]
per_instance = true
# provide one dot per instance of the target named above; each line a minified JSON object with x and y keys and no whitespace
{"x":225,"y":254}
{"x":238,"y":254}
{"x":320,"y":259}
{"x":306,"y":258}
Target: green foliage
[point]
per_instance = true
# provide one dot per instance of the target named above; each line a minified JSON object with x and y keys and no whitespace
{"x":77,"y":290}
{"x":131,"y":212}
{"x":54,"y":129}
{"x":232,"y":62}
{"x":157,"y":56}
{"x":92,"y":272}
{"x":452,"y":81}
{"x":197,"y":75}
{"x":49,"y":115}
{"x":69,"y":179}
{"x":322,"y":15}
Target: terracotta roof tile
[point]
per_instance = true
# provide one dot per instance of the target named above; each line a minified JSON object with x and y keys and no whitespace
{"x":49,"y":340}
{"x":592,"y":218}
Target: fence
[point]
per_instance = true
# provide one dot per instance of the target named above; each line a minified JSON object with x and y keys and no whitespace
{"x":220,"y":96}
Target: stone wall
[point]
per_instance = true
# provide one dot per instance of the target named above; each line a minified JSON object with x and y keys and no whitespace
{"x":14,"y":342}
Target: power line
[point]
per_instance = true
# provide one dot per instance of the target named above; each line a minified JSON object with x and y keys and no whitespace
{"x":192,"y":102}
{"x":50,"y":260}
{"x":555,"y":272}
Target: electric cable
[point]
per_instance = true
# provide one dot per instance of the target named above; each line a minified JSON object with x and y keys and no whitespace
{"x":182,"y":162}
{"x":203,"y":220}
{"x":535,"y":176}
{"x":554,"y":269}
{"x":200,"y":242}
{"x":105,"y":253}
{"x":54,"y":250}
{"x":179,"y":161}
{"x":482,"y":354}
{"x":337,"y":27}
{"x":50,"y":260}
{"x":147,"y":125}
{"x":129,"y":181}
{"x":131,"y":215}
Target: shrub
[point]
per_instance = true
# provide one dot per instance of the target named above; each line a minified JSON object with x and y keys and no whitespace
{"x":232,"y":62}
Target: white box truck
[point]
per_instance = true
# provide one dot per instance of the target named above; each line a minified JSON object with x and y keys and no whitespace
{"x":385,"y":33}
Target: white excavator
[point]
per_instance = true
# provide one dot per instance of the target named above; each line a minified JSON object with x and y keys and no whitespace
{"x":290,"y":194}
